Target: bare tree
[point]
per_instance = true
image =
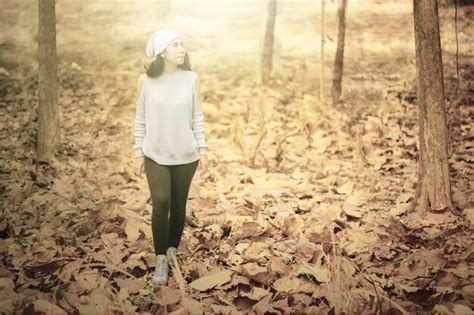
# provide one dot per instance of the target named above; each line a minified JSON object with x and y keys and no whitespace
{"x":433,"y":188}
{"x":267,"y":53}
{"x":339,"y":59}
{"x":321,"y":77}
{"x":48,"y":134}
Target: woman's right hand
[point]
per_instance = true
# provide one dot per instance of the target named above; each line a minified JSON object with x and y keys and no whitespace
{"x":138,"y":166}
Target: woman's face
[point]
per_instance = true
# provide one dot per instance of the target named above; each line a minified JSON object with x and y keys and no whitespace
{"x":175,"y":51}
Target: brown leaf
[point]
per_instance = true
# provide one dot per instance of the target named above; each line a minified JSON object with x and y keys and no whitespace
{"x":293,"y":226}
{"x":48,"y":307}
{"x":165,"y":295}
{"x":95,"y":301}
{"x":8,"y":294}
{"x":462,"y":309}
{"x":422,"y":264}
{"x":236,"y":279}
{"x":210,"y":281}
{"x":286,"y":284}
{"x":346,"y":189}
{"x":256,"y":293}
{"x":358,"y":240}
{"x":246,"y":229}
{"x":320,"y":273}
{"x":301,"y":298}
{"x":257,"y":273}
{"x":90,"y":279}
{"x":133,"y":285}
{"x":278,"y":266}
{"x":305,"y":251}
{"x":264,"y":306}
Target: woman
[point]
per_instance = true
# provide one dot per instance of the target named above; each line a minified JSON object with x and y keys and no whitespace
{"x":170,"y":140}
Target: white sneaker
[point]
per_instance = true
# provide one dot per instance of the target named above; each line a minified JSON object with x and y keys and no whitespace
{"x":161,"y":270}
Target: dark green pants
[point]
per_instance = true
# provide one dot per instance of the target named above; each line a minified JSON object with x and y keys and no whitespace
{"x":169,"y":188}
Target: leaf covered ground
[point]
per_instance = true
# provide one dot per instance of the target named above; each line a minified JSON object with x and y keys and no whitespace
{"x":304,"y":207}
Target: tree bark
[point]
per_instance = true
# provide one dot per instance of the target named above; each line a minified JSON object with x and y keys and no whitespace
{"x":339,"y":59}
{"x":321,"y":77}
{"x":48,"y":134}
{"x":433,"y":187}
{"x":267,"y":53}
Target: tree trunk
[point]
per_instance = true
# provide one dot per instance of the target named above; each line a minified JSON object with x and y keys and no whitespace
{"x":267,"y":54}
{"x":433,"y":187}
{"x":48,"y":134}
{"x":321,"y":78}
{"x":446,"y":3}
{"x":339,"y":59}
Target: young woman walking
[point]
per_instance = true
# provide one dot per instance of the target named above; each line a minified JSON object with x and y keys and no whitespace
{"x":170,"y":140}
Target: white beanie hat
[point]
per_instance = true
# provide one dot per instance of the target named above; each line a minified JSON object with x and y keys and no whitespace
{"x":159,"y":41}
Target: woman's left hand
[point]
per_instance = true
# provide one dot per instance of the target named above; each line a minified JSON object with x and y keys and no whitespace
{"x":203,"y":165}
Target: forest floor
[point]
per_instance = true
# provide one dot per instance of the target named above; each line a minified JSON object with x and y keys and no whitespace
{"x":312,"y":218}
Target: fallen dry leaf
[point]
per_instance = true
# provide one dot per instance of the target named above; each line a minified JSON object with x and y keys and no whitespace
{"x":212,"y":280}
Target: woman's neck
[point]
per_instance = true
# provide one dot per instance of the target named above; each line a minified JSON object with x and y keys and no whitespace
{"x":170,"y":67}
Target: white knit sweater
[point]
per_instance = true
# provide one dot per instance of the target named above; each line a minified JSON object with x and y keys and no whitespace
{"x":169,"y":122}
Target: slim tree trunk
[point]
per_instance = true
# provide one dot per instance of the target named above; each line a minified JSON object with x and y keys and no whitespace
{"x":267,"y":54}
{"x":339,"y":59}
{"x":433,"y":187}
{"x":321,"y":78}
{"x":48,"y":135}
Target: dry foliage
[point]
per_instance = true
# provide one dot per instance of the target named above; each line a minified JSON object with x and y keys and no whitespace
{"x":304,"y":209}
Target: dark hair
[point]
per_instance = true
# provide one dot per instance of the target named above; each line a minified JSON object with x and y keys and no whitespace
{"x":155,"y":68}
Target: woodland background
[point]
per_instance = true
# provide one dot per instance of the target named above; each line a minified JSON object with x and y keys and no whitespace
{"x":308,"y":216}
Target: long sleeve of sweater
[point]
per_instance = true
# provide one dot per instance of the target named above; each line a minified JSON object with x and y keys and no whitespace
{"x":199,"y":121}
{"x":140,"y":129}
